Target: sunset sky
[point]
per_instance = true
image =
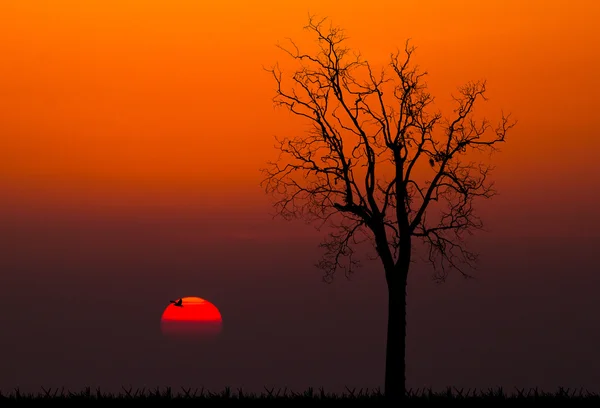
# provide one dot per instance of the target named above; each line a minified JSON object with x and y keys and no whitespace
{"x":131,"y":137}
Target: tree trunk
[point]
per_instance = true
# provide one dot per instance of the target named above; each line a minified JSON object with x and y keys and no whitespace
{"x":395,"y":360}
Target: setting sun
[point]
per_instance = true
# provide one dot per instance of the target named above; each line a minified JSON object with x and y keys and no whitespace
{"x":191,"y":317}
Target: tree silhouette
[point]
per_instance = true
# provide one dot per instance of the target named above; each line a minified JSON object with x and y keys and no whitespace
{"x":379,"y":164}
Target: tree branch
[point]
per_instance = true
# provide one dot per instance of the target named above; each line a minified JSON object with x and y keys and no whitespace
{"x":357,"y":171}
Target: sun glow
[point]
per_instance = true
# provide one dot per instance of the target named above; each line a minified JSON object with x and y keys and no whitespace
{"x":196,"y":317}
{"x":192,"y":309}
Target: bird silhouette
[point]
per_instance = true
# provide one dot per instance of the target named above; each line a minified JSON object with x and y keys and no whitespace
{"x":178,"y":303}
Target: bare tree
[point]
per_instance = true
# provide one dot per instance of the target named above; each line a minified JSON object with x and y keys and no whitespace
{"x":379,"y":164}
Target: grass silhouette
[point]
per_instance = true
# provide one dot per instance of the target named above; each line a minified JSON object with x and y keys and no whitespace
{"x":283,"y":394}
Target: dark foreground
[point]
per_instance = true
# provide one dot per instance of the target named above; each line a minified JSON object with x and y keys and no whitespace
{"x":418,"y":397}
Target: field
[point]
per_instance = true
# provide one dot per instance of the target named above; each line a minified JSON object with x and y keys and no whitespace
{"x":419,"y":397}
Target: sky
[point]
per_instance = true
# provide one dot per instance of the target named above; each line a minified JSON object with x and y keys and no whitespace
{"x":132,"y":133}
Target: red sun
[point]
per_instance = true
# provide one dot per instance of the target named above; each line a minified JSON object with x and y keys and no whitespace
{"x":195,"y":318}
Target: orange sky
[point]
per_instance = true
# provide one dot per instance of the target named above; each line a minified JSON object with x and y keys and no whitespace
{"x":131,"y":102}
